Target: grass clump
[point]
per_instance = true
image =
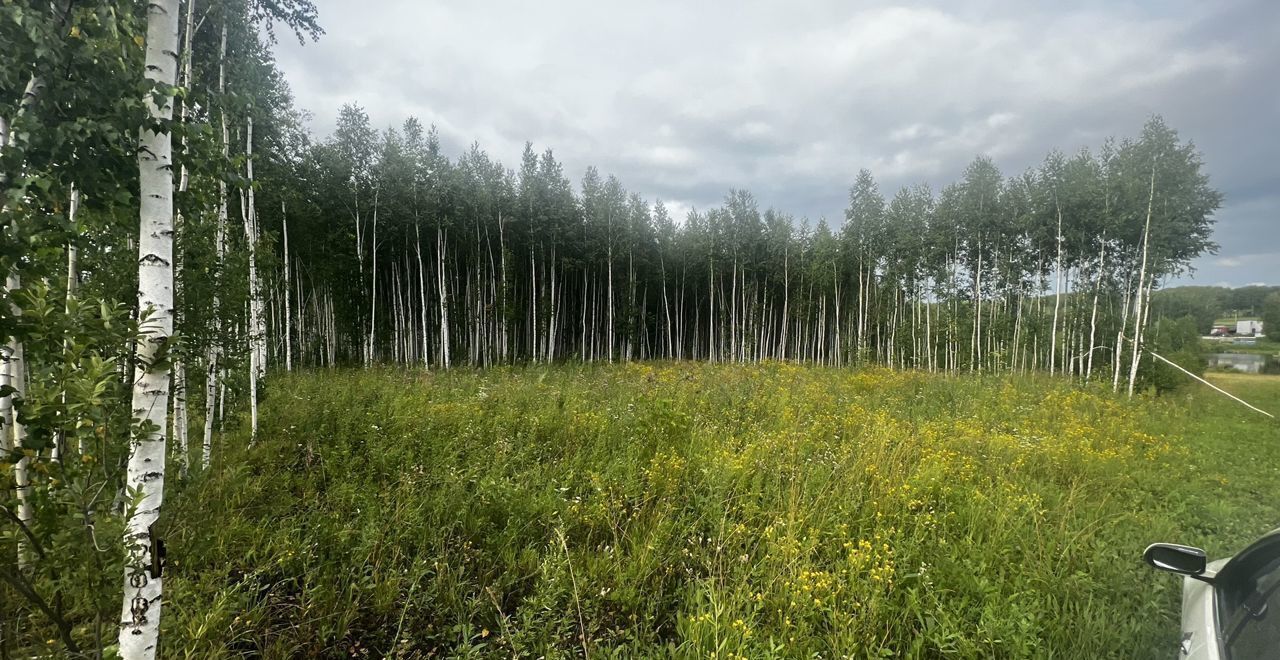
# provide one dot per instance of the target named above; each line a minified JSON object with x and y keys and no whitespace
{"x":686,"y":510}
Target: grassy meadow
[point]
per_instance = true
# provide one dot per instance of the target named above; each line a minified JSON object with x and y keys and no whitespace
{"x":692,"y":510}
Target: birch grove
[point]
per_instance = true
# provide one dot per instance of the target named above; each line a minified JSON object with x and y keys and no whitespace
{"x":370,"y":247}
{"x":990,"y":274}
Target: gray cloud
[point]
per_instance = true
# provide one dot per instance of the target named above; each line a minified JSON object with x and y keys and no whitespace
{"x":686,"y":100}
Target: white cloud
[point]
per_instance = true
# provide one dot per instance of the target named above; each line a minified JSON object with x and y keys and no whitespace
{"x":678,"y":209}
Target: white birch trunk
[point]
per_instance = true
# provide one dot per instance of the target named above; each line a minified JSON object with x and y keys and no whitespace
{"x":504,"y":327}
{"x":214,"y":354}
{"x":12,"y":354}
{"x":256,"y":354}
{"x":373,"y":294}
{"x":666,"y":307}
{"x":786,"y":298}
{"x":835,"y":279}
{"x":422,"y":292}
{"x":977,"y":315}
{"x":443,"y":285}
{"x":1124,"y":322}
{"x":534,"y":333}
{"x":1057,"y":295}
{"x":140,"y":612}
{"x":14,"y":375}
{"x":1093,"y":317}
{"x":179,"y":361}
{"x":1139,"y":319}
{"x":551,"y":303}
{"x":609,"y":330}
{"x":73,"y":281}
{"x":288,"y":298}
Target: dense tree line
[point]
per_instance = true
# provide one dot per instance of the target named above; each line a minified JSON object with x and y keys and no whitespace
{"x":171,"y":234}
{"x":1206,"y":304}
{"x":400,"y":254}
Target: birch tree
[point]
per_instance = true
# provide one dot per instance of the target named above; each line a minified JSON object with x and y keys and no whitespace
{"x":140,"y":615}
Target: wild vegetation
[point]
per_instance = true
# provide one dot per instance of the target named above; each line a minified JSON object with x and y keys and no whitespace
{"x":172,"y":238}
{"x":709,"y":511}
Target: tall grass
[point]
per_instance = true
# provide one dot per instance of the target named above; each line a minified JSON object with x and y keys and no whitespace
{"x":681,"y":511}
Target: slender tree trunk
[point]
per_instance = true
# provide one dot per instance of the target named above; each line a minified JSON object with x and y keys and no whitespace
{"x":443,"y":285}
{"x":977,"y":314}
{"x":586,"y":297}
{"x":73,"y":282}
{"x":553,"y":308}
{"x":140,"y":613}
{"x":835,"y":280}
{"x":288,"y":302}
{"x":1124,"y":322}
{"x":610,"y":330}
{"x":1139,"y":319}
{"x":180,"y":358}
{"x":711,"y":312}
{"x":786,"y":297}
{"x":13,"y":357}
{"x":1093,"y":317}
{"x":533,"y":330}
{"x":666,"y":306}
{"x":422,"y":292}
{"x":928,"y":329}
{"x":504,"y":343}
{"x":256,"y":329}
{"x":1057,"y":294}
{"x":371,"y":342}
{"x":214,"y":353}
{"x":14,"y":376}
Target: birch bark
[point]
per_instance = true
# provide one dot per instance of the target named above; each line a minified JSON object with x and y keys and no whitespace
{"x":140,"y":611}
{"x":179,"y":363}
{"x":1139,"y":320}
{"x":12,"y":355}
{"x":288,"y":302}
{"x":256,"y":329}
{"x":73,"y":281}
{"x":214,"y":354}
{"x":1057,"y":294}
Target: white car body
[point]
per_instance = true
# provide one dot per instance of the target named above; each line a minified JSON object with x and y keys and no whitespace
{"x":1199,"y":617}
{"x":1230,"y":607}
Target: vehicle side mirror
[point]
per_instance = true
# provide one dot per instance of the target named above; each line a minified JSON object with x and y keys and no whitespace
{"x":1181,"y":559}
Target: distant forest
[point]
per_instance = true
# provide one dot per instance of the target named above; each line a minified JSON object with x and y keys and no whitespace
{"x":1205,"y":304}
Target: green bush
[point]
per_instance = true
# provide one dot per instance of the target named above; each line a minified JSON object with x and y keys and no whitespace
{"x":1178,"y":340}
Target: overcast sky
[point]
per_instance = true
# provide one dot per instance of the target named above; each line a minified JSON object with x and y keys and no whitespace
{"x":684,"y":100}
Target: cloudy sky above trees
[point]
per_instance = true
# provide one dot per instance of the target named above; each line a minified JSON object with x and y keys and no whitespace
{"x":685,"y":100}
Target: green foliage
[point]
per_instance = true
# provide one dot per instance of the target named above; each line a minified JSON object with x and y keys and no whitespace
{"x":696,"y":510}
{"x":1204,"y":304}
{"x":1249,"y":299}
{"x":1178,"y":340}
{"x":1212,"y":305}
{"x":73,"y":95}
{"x":1271,"y":314}
{"x":76,"y":413}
